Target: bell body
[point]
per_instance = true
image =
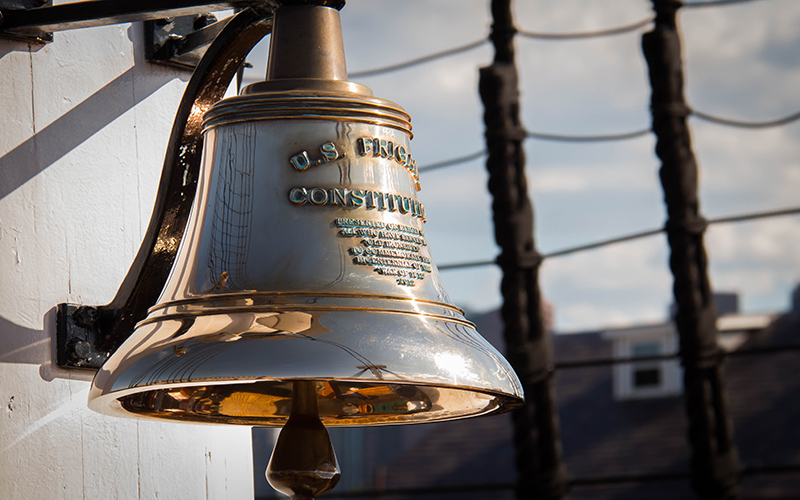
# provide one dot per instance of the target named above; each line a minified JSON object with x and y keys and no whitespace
{"x":305,"y":258}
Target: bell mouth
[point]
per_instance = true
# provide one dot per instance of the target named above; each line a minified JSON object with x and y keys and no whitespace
{"x":339,"y":402}
{"x":375,"y":361}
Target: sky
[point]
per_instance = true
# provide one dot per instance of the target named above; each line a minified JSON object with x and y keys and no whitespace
{"x":741,"y":61}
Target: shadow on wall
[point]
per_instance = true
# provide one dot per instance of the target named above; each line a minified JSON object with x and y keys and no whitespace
{"x":8,"y":46}
{"x":19,"y":344}
{"x":76,"y":126}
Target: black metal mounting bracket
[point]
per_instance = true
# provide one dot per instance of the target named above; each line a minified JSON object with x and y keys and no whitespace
{"x":180,"y":41}
{"x":30,"y":35}
{"x":35,"y":20}
{"x":23,"y":4}
{"x":87,"y":335}
{"x":78,"y":338}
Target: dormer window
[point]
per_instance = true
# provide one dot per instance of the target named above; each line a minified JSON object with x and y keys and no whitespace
{"x":662,"y":377}
{"x":649,"y":378}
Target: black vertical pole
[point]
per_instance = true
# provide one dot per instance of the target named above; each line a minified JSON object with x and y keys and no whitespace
{"x":538,"y":450}
{"x":715,"y":465}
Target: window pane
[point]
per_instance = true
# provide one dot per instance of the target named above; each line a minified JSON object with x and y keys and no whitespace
{"x":646,"y":377}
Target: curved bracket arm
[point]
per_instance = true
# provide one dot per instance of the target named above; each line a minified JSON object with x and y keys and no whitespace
{"x":86,"y":335}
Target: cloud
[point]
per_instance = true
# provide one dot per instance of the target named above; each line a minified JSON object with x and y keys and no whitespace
{"x":743,"y":61}
{"x":774,"y":241}
{"x":581,"y":316}
{"x":617,"y":284}
{"x":762,"y":165}
{"x":574,"y":179}
{"x":629,"y":266}
{"x":758,"y":259}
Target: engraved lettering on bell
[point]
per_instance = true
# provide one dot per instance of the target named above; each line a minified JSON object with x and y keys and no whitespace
{"x":358,"y":198}
{"x":390,"y":249}
{"x":381,"y":148}
{"x":328,"y":151}
{"x":377,"y":147}
{"x":300,"y":161}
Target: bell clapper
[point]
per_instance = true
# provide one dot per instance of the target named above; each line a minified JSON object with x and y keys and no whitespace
{"x":303,"y":463}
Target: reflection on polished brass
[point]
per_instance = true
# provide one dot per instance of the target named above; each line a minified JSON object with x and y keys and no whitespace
{"x":305,"y":263}
{"x":231,"y":358}
{"x":341,"y":403}
{"x":303,"y":464}
{"x":307,"y":44}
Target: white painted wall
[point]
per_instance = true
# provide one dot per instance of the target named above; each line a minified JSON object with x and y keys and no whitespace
{"x":84,"y":123}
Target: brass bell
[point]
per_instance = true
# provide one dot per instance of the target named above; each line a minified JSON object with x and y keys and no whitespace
{"x":305,"y":264}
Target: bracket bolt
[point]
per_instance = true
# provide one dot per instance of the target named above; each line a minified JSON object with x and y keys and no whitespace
{"x":80,"y":349}
{"x":85,"y":316}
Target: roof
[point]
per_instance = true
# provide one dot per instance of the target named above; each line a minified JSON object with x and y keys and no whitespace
{"x":605,"y":437}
